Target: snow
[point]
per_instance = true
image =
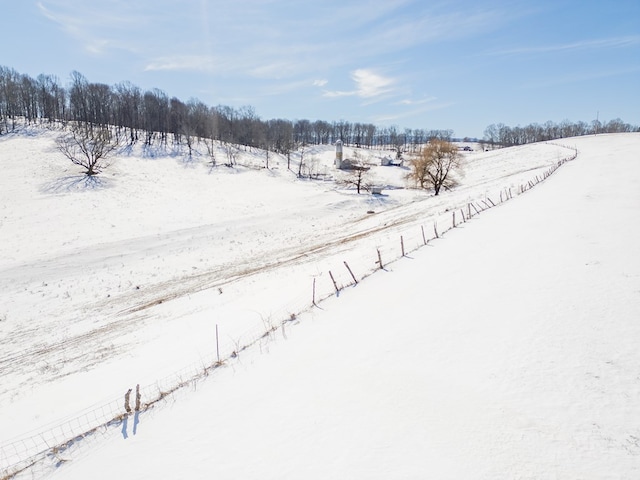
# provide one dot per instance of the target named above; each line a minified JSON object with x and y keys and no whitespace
{"x":507,"y":348}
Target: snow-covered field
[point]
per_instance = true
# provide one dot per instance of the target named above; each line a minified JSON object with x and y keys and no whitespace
{"x":505,"y":349}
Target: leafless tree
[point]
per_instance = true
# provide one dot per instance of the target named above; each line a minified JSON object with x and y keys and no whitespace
{"x":155,"y":107}
{"x":210,"y":132}
{"x":88,"y":146}
{"x":433,"y":166}
{"x":51,"y":98}
{"x":356,"y":174}
{"x":128,"y":109}
{"x":10,"y":107}
{"x":323,"y":132}
{"x":301,"y":149}
{"x":131,"y":112}
{"x":231,"y":152}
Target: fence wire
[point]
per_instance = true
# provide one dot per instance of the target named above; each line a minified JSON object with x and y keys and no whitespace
{"x":35,"y":453}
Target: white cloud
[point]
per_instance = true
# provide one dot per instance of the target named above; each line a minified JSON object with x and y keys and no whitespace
{"x":284,"y":88}
{"x":408,"y":101}
{"x":338,"y":93}
{"x":181,"y":62}
{"x":618,"y":42}
{"x":96,"y":27}
{"x":368,"y":84}
{"x":412,"y":113}
{"x":277,"y":68}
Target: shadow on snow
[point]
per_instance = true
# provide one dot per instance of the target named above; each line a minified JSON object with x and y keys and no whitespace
{"x":77,"y":183}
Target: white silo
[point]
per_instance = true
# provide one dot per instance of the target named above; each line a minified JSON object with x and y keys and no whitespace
{"x":339,"y":154}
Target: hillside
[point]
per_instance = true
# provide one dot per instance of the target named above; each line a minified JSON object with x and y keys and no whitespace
{"x":462,"y":360}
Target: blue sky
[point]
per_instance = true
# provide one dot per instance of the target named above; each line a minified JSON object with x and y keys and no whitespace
{"x":459,"y":65}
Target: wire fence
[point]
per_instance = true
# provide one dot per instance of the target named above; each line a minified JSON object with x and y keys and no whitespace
{"x":37,"y":452}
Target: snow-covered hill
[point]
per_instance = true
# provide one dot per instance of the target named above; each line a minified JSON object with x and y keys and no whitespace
{"x":503,"y":350}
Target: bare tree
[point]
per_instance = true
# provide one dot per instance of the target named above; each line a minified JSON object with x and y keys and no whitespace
{"x":210,"y":131}
{"x":302,"y":148}
{"x":128,"y":108}
{"x":356,"y":174}
{"x":88,"y":146}
{"x":433,"y":166}
{"x":155,"y":107}
{"x":231,"y":152}
{"x":10,"y":107}
{"x":312,"y":167}
{"x":51,"y":98}
{"x":78,"y":98}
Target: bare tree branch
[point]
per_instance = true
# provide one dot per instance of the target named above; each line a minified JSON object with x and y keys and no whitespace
{"x":88,"y":146}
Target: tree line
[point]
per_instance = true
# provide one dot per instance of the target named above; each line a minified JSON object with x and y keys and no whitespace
{"x":152,"y":116}
{"x":505,"y":136}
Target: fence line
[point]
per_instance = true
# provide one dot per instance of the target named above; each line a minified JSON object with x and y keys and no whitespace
{"x":45,"y":447}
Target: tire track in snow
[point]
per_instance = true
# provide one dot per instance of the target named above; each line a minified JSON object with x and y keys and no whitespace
{"x":121,"y":311}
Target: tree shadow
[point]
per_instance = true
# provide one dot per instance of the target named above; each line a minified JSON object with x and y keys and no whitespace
{"x":125,"y":424}
{"x":126,"y":150}
{"x":136,"y":421}
{"x":77,"y":183}
{"x":188,"y":161}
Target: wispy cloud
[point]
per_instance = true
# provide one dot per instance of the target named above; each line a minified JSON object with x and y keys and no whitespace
{"x":96,"y":28}
{"x":422,"y":101}
{"x":263,"y":39}
{"x":275,"y":68}
{"x":389,"y":117}
{"x":283,"y":88}
{"x":267,"y":40}
{"x":368,"y":84}
{"x":617,"y":42}
{"x":225,"y":65}
{"x":580,"y":77}
{"x":430,"y":27}
{"x":72,"y":25}
{"x":194,"y":63}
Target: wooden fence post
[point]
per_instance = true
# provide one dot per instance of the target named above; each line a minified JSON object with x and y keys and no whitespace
{"x":127,"y":406}
{"x":424,"y":238}
{"x":217,"y":344}
{"x":379,"y":258}
{"x":335,"y":285}
{"x":138,"y":397}
{"x":314,"y":291}
{"x":402,"y":245}
{"x":352,"y":275}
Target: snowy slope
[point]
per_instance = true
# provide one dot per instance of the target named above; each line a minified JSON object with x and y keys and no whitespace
{"x":485,"y":355}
